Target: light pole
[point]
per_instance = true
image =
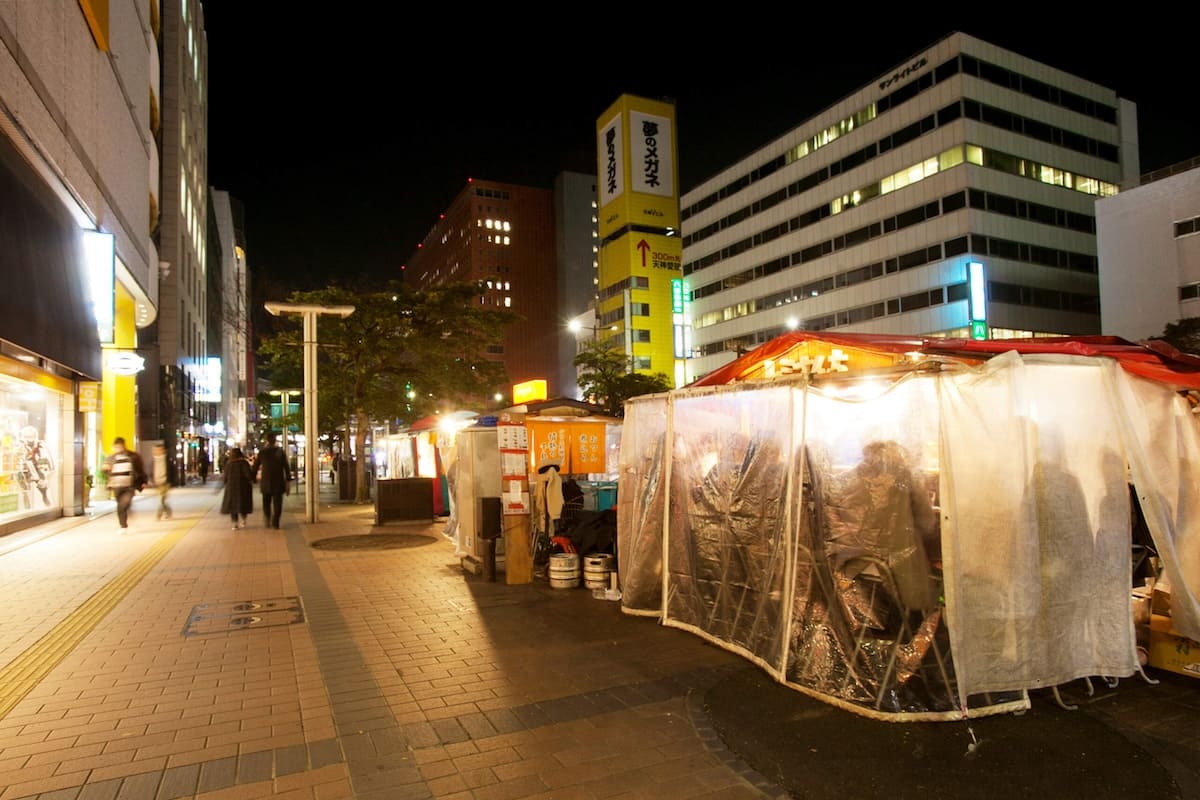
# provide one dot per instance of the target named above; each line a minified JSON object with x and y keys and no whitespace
{"x":286,"y":396}
{"x":310,"y":313}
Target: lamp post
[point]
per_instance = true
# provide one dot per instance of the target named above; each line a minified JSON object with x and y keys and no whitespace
{"x":286,"y":395}
{"x":310,"y":314}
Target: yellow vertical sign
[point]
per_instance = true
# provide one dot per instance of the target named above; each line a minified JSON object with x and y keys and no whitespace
{"x":640,"y":252}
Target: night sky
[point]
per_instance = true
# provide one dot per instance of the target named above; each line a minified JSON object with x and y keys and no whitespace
{"x":345,"y":137}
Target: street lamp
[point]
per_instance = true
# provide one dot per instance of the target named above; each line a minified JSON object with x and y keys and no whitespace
{"x":310,"y":313}
{"x":286,"y":395}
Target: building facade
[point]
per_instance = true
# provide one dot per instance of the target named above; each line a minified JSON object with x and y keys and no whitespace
{"x":865,"y":217}
{"x":1149,"y":244}
{"x":230,"y":371}
{"x":577,"y":246}
{"x":79,"y":194}
{"x":501,"y":235}
{"x":178,"y":344}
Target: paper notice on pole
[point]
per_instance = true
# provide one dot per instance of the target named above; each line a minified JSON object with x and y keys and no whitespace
{"x":512,"y":464}
{"x":512,"y":437}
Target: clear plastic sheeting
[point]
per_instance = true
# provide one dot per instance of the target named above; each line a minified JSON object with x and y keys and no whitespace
{"x":642,"y":482}
{"x":920,"y":545}
{"x":868,"y":624}
{"x":1037,"y":525}
{"x":1163,"y":441}
{"x":727,"y":546}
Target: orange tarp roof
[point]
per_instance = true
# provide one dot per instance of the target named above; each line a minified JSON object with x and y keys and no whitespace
{"x":1153,"y":359}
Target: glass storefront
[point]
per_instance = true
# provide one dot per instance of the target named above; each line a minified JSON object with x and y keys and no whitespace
{"x":31,"y":448}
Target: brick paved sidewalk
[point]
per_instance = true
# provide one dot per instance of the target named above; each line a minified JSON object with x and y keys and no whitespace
{"x":186,"y":659}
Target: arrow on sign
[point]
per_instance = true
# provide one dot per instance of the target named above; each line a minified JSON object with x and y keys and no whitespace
{"x":644,"y":246}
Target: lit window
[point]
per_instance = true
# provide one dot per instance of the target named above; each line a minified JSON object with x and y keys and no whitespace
{"x":950,"y":158}
{"x":507,"y":227}
{"x":506,"y":286}
{"x":508,"y":302}
{"x":489,"y":284}
{"x":506,"y":240}
{"x":489,"y":224}
{"x":478,"y":223}
{"x":595,"y":235}
{"x":975,"y":154}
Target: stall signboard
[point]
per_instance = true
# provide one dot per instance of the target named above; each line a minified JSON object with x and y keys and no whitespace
{"x":512,"y":439}
{"x":529,"y":391}
{"x":578,"y":447}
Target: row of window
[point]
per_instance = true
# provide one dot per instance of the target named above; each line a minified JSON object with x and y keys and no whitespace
{"x":976,"y":198}
{"x":968,"y":65}
{"x":618,"y":314}
{"x":1189,"y":292}
{"x":632,"y":282}
{"x":975,"y":243}
{"x":952,"y":157}
{"x":1187,"y":227}
{"x":1008,"y":293}
{"x":496,"y":194}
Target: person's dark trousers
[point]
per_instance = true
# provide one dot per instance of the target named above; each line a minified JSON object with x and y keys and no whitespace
{"x":272,"y":508}
{"x":124,"y":499}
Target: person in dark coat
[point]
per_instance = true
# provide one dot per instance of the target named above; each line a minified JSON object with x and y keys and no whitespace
{"x":274,"y":479}
{"x":238,"y":501}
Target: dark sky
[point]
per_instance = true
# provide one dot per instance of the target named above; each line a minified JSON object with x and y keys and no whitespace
{"x":345,"y":137}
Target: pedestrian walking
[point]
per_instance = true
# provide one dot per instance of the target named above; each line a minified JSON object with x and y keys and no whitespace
{"x":274,"y":479}
{"x":202,"y":467}
{"x":160,"y":474}
{"x":126,"y":477}
{"x":238,"y":500}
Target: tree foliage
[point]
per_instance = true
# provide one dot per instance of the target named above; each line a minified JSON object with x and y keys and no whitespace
{"x":1184,"y":335}
{"x":606,"y":376}
{"x":402,"y":354}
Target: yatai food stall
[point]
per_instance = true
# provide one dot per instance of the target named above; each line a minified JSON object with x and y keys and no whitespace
{"x":916,"y":528}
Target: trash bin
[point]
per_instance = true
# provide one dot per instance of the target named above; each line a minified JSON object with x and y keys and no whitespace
{"x":403,"y":499}
{"x":490,"y":529}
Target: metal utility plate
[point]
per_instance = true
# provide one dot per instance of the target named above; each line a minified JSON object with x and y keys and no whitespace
{"x":243,"y":615}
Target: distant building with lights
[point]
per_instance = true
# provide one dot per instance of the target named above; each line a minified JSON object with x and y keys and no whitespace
{"x":1149,"y":243}
{"x":866,"y":216}
{"x":502,"y":235}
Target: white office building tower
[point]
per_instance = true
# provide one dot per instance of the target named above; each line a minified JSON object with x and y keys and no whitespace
{"x":866,"y":217}
{"x":1149,"y":244}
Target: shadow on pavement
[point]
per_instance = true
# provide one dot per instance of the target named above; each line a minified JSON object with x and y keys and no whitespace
{"x":814,"y":750}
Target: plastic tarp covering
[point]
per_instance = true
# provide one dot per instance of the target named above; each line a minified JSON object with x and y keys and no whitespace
{"x":1036,"y":525}
{"x":727,"y":545}
{"x":1163,"y":445}
{"x":931,"y":546}
{"x":867,"y":622}
{"x":642,"y":477}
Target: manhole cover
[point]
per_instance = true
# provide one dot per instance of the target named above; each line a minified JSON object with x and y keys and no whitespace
{"x":373,"y":541}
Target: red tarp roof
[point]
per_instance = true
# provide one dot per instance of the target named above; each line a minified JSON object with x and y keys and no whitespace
{"x":1153,"y":359}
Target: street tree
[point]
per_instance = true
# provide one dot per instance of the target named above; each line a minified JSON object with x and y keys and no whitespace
{"x":1184,"y":335}
{"x":606,"y":377}
{"x":401,"y":355}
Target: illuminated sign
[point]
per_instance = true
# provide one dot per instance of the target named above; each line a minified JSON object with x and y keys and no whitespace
{"x":207,"y":377}
{"x":979,"y":329}
{"x":804,"y":364}
{"x":978,"y":291}
{"x":610,"y":155}
{"x":89,"y":396}
{"x":651,"y":158}
{"x":676,"y":295}
{"x":529,"y":391}
{"x":99,"y":250}
{"x":125,"y":362}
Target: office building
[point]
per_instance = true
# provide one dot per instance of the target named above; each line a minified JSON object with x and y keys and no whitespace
{"x":866,"y":216}
{"x":79,"y":193}
{"x":1149,"y":244}
{"x":178,"y":344}
{"x":501,"y":235}
{"x":577,"y":245}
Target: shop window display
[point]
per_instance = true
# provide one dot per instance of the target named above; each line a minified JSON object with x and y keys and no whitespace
{"x":29,"y":442}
